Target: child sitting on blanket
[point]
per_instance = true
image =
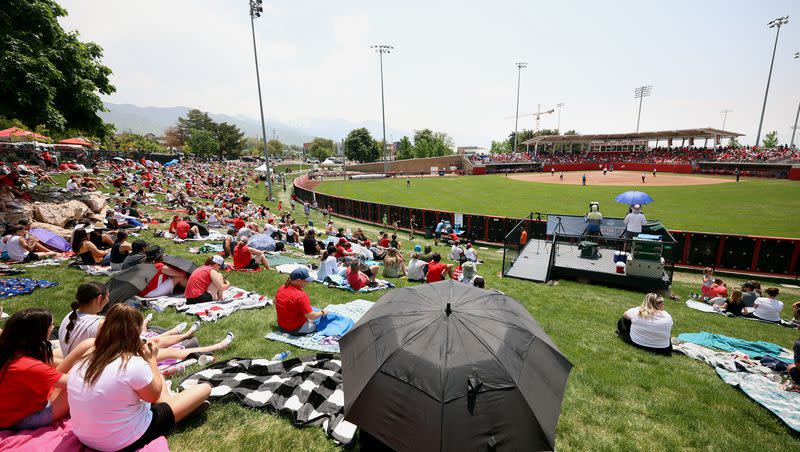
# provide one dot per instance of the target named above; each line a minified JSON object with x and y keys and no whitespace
{"x":32,"y":381}
{"x":117,"y":397}
{"x":84,"y":322}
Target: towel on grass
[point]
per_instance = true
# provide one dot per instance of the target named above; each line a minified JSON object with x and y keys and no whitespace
{"x":98,"y":270}
{"x":754,"y":349}
{"x":768,"y":394}
{"x":328,"y":340}
{"x":6,"y":270}
{"x":59,"y":437}
{"x":699,"y":306}
{"x":276,"y":259}
{"x":734,"y":362}
{"x":235,"y":299}
{"x":289,"y":268}
{"x":307,"y":389}
{"x":12,"y":287}
{"x":340,"y":282}
{"x":52,"y":262}
{"x":208,"y":248}
{"x":213,"y":236}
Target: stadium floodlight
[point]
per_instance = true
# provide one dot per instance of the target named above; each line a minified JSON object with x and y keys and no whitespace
{"x":520,"y":66}
{"x":381,"y":49}
{"x":775,"y":23}
{"x":724,"y":114}
{"x":256,"y":9}
{"x":794,"y":129}
{"x":559,"y":105}
{"x":640,"y":93}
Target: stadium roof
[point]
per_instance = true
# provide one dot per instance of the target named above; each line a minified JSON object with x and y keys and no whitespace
{"x":661,"y":135}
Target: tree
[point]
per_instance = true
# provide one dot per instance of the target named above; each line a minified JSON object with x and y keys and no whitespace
{"x":500,"y":147}
{"x":771,"y":140}
{"x":432,"y":144}
{"x":527,"y":134}
{"x":359,"y":146}
{"x":173,"y":137}
{"x":734,"y":143}
{"x":195,"y":119}
{"x":202,"y":143}
{"x":230,"y":139}
{"x":321,"y":148}
{"x":405,"y":150}
{"x":48,"y":76}
{"x":276,"y":148}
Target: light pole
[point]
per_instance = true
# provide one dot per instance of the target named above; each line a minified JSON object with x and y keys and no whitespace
{"x":559,"y":105}
{"x":520,"y":65}
{"x":724,"y":114}
{"x":775,"y":23}
{"x":794,"y":129}
{"x":640,"y":93}
{"x":381,"y":49}
{"x":255,"y":11}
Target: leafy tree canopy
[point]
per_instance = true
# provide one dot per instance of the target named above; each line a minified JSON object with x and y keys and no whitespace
{"x":359,"y":146}
{"x":770,"y":140}
{"x":202,"y":143}
{"x":321,"y":148}
{"x":405,"y":150}
{"x":47,"y":75}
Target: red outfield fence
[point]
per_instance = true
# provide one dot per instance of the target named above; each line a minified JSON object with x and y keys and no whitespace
{"x":768,"y":256}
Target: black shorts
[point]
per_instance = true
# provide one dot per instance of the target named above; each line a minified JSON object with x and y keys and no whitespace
{"x":162,"y":422}
{"x":252,"y":265}
{"x":204,"y":298}
{"x":794,"y":372}
{"x":190,"y":235}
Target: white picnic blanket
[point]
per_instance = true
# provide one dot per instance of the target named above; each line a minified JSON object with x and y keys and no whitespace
{"x":702,"y":307}
{"x":235,"y":299}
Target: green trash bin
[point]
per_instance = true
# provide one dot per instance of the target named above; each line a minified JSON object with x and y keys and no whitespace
{"x":429,"y":232}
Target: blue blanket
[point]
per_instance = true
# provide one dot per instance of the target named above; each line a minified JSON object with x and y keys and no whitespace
{"x":326,"y":339}
{"x":12,"y":287}
{"x":333,"y":324}
{"x":732,"y":344}
{"x":767,"y":393}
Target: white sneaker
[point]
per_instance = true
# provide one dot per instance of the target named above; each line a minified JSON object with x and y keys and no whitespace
{"x":205,"y":359}
{"x":180,"y":327}
{"x":195,"y":326}
{"x":229,"y":338}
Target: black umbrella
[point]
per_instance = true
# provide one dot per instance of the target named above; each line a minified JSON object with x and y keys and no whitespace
{"x":200,"y":227}
{"x":129,"y":282}
{"x":447,"y":366}
{"x":180,"y":263}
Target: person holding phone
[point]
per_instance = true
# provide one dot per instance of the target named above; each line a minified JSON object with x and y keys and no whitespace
{"x":206,"y":283}
{"x":118,"y":399}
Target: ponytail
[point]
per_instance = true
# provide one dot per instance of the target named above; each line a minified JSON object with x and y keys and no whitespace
{"x":73,"y":316}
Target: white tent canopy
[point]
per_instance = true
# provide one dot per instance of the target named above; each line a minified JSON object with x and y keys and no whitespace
{"x":262,"y":168}
{"x":329,"y":162}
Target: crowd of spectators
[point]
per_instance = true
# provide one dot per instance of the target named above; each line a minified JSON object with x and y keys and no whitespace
{"x":681,"y":155}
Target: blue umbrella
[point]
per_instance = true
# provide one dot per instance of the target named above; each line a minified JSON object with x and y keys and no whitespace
{"x":634,"y":197}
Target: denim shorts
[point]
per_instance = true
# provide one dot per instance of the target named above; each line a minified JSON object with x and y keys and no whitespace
{"x":41,"y":418}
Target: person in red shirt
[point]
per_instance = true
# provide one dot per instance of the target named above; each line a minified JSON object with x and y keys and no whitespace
{"x":166,"y":279}
{"x":437,"y":270}
{"x":174,"y":225}
{"x":238,"y":223}
{"x":358,"y":279}
{"x":28,"y":372}
{"x":186,"y":231}
{"x":246,"y":258}
{"x":201,"y":215}
{"x":206,"y":283}
{"x":295,"y":315}
{"x":384,"y":242}
{"x":718,"y":289}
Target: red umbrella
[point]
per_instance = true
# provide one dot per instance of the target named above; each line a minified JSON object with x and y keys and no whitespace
{"x":21,"y":133}
{"x":79,"y":141}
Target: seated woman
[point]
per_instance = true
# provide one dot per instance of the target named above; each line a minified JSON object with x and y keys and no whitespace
{"x":118,"y":399}
{"x":766,"y":308}
{"x":393,"y":264}
{"x":735,"y":304}
{"x":328,"y":264}
{"x":360,"y":275}
{"x":416,"y":268}
{"x":468,"y":274}
{"x":647,"y":327}
{"x":88,"y":251}
{"x":246,"y":258}
{"x":18,"y":248}
{"x":100,"y":239}
{"x":84,"y":322}
{"x":718,"y":289}
{"x":31,"y":385}
{"x":792,"y":369}
{"x":206,"y":283}
{"x":120,"y":250}
{"x":293,"y":307}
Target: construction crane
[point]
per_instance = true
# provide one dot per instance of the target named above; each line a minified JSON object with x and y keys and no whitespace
{"x":538,"y":115}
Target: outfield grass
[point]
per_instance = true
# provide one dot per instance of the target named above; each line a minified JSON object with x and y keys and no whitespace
{"x":753,"y":206}
{"x":617,"y":398}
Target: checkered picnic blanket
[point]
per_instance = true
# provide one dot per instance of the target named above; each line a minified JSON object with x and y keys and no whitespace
{"x":307,"y":389}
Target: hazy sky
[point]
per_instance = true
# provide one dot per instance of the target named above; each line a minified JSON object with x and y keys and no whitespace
{"x":453,"y":66}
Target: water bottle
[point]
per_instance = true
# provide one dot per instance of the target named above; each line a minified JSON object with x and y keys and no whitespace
{"x":281,"y":356}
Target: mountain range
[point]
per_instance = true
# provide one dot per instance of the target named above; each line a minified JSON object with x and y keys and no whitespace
{"x":128,"y":117}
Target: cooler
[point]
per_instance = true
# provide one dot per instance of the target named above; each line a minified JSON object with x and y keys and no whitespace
{"x":588,"y":249}
{"x":645,"y":269}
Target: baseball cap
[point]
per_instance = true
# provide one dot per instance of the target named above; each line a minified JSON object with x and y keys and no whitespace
{"x":300,"y":273}
{"x":219,"y":260}
{"x":417,"y":249}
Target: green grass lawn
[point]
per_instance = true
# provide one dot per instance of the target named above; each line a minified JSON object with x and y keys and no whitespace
{"x":753,"y":206}
{"x":617,"y":398}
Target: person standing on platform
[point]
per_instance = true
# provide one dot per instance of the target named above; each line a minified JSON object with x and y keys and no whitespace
{"x":634,"y":222}
{"x":523,"y":239}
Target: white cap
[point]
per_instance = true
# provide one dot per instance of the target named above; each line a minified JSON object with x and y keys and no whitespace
{"x":218,"y":260}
